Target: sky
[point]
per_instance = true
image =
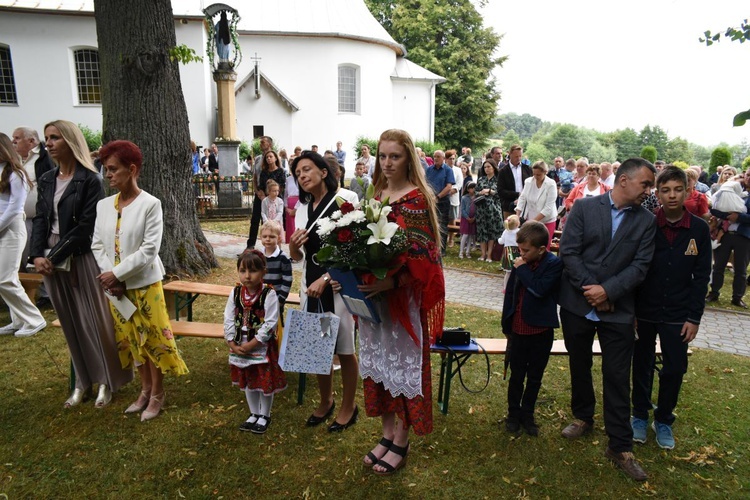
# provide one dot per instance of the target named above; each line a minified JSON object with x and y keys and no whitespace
{"x":609,"y":65}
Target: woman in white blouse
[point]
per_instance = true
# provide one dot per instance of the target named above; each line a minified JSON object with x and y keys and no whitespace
{"x":14,"y":187}
{"x":538,"y":199}
{"x":126,"y":242}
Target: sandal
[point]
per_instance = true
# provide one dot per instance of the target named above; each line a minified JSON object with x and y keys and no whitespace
{"x":390,"y":469}
{"x":373,"y":459}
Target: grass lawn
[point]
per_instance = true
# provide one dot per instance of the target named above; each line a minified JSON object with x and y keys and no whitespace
{"x":194,"y":450}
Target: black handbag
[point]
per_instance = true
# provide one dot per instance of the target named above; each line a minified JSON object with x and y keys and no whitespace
{"x":455,"y":336}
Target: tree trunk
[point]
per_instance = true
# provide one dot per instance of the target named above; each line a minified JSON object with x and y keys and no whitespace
{"x":142,"y":102}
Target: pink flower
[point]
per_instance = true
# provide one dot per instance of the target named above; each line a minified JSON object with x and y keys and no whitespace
{"x":167,"y":333}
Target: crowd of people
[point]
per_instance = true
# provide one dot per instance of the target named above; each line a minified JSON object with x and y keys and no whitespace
{"x":637,"y":241}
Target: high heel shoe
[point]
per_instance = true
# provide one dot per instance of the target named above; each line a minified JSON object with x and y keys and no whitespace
{"x":313,"y":420}
{"x":337,"y":427}
{"x":148,"y":414}
{"x":135,"y":407}
{"x":104,"y":396}
{"x":76,"y":398}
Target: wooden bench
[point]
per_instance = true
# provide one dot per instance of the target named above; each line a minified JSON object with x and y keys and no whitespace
{"x":180,"y":295}
{"x":31,"y":283}
{"x":461,"y":354}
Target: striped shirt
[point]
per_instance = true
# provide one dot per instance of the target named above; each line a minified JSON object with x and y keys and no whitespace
{"x":279,"y":274}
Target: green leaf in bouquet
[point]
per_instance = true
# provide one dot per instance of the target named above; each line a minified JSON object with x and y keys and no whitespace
{"x":370,"y":191}
{"x":380,"y":272}
{"x":376,"y":253}
{"x":324,"y":253}
{"x":340,"y":201}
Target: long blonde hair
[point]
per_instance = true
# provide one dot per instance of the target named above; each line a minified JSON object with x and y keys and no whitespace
{"x":13,"y":164}
{"x":414,"y":173}
{"x":73,"y":136}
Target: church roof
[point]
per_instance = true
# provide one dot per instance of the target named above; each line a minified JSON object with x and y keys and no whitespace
{"x":321,"y":18}
{"x":407,"y":70}
{"x":249,"y":80}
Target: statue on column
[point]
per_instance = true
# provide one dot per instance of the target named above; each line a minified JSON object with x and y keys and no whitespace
{"x":222,"y":36}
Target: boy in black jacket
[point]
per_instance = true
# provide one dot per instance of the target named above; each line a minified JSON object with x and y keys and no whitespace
{"x":670,"y":304}
{"x":529,"y":318}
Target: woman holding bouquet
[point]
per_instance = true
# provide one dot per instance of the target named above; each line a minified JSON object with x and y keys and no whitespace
{"x":317,"y":192}
{"x":395,"y":354}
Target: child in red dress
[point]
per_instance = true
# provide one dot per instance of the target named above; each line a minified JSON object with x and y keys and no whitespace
{"x":250,"y":320}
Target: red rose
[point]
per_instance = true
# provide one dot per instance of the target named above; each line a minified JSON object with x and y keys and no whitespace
{"x":345,"y":235}
{"x":346,"y":208}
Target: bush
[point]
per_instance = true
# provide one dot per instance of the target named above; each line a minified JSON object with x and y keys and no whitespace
{"x":427,"y":146}
{"x":746,"y":163}
{"x":719,"y":156}
{"x":649,"y":153}
{"x":245,"y":150}
{"x":93,"y":137}
{"x":683,"y":165}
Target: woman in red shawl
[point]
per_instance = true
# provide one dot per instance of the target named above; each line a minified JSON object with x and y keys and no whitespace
{"x":395,"y":354}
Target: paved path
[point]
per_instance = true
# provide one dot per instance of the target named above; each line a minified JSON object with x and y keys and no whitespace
{"x":721,"y":330}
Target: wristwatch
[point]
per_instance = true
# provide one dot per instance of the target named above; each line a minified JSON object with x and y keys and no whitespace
{"x":326,"y":278}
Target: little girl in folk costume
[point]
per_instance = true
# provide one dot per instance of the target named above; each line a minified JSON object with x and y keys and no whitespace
{"x":509,"y":246}
{"x":250,"y":321}
{"x":468,"y":226}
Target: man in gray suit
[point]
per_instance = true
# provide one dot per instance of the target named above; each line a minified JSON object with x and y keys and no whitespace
{"x":606,"y":248}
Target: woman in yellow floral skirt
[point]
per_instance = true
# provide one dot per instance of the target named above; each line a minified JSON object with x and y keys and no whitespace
{"x":126,"y":243}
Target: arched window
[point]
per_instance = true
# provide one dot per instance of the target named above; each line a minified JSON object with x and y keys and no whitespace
{"x":7,"y":80}
{"x":88,"y":81}
{"x":348,"y":88}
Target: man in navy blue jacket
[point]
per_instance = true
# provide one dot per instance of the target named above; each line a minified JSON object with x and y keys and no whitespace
{"x":529,"y":318}
{"x":669,"y":303}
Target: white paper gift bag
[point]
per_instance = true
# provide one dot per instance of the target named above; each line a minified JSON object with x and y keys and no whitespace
{"x":308,"y":342}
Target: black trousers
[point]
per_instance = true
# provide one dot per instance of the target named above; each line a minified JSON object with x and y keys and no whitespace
{"x":528,"y":358}
{"x":616,"y":341}
{"x":254,"y":222}
{"x":674,"y":356}
{"x":741,"y":247}
{"x":444,"y":211}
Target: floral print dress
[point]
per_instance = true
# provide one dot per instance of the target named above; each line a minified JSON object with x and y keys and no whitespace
{"x":147,"y":335}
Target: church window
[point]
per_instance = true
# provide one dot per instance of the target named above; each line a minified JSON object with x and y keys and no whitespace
{"x":348,"y":89}
{"x":7,"y":81}
{"x":88,"y":81}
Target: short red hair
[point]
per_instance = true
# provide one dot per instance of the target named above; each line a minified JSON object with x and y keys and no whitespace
{"x":125,"y":151}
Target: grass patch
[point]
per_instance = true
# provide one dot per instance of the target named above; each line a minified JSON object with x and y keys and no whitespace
{"x":195,"y":450}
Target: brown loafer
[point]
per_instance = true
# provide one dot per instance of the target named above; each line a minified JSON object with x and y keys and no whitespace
{"x":627,"y":462}
{"x":576,"y":429}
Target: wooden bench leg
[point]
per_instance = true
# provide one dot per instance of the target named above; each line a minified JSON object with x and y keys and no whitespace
{"x":30,"y":289}
{"x":301,"y":388}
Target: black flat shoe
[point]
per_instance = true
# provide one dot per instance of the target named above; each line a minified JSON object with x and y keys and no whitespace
{"x":337,"y":427}
{"x":315,"y":421}
{"x":259,"y":428}
{"x":247,"y":425}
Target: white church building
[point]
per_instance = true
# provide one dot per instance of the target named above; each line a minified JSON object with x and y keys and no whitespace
{"x":328,"y":71}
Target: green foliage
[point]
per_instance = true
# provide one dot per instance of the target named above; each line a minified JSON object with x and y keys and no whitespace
{"x":678,"y":149}
{"x":568,"y":140}
{"x":720,"y":156}
{"x":655,"y":136}
{"x":510,"y":138}
{"x":428,"y":147}
{"x":245,"y":150}
{"x":683,"y":165}
{"x":649,"y":153}
{"x":525,"y":125}
{"x":536,"y":151}
{"x":741,"y":34}
{"x":598,"y":153}
{"x":448,"y":38}
{"x":184,"y":54}
{"x":93,"y":137}
{"x":746,"y":163}
{"x":627,"y":143}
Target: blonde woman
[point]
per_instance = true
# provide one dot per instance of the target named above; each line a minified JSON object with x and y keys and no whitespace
{"x":61,"y":251}
{"x":14,"y":187}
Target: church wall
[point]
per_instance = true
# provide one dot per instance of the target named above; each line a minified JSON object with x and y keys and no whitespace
{"x":412,"y":107}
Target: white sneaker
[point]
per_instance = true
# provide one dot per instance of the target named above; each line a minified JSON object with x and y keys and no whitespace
{"x":28,"y":332}
{"x":9,"y":329}
{"x":460,"y":256}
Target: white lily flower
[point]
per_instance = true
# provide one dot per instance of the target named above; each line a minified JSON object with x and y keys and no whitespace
{"x":385,"y":211}
{"x":382,"y":231}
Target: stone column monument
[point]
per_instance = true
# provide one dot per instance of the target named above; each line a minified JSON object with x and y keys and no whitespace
{"x":223,"y":50}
